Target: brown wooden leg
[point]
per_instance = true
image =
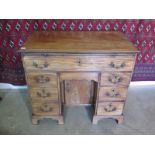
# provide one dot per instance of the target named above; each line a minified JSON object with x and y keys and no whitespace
{"x":95,"y":120}
{"x":120,"y":119}
{"x":35,"y":120}
{"x":60,"y":120}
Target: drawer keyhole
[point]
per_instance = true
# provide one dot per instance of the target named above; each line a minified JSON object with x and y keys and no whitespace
{"x":79,"y":62}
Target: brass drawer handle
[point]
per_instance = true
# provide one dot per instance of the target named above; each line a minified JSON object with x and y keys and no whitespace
{"x":42,"y":79}
{"x":43,"y":94}
{"x":113,"y":65}
{"x":113,"y":93}
{"x":46,"y":108}
{"x":115,"y":79}
{"x":110,"y":108}
{"x":45,"y":65}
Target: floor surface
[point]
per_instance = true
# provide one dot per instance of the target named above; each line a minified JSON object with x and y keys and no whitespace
{"x":139,"y":111}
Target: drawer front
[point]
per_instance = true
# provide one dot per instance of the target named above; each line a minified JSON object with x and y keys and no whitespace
{"x":110,"y":108}
{"x":112,"y":93}
{"x":46,"y":109}
{"x":79,"y":63}
{"x":115,"y":78}
{"x":41,"y":79}
{"x":44,"y":94}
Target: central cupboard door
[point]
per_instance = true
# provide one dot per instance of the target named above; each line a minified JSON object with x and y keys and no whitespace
{"x":78,"y":87}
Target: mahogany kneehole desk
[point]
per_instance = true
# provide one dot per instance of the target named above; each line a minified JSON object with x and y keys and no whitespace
{"x":78,"y":68}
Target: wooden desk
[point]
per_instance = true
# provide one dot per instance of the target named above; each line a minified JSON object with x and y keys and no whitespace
{"x":74,"y":68}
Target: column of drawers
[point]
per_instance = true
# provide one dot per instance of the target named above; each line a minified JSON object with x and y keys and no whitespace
{"x":43,"y":88}
{"x":113,"y":88}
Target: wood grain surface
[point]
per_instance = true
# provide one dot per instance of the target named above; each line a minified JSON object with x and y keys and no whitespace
{"x":45,"y":109}
{"x":115,"y":78}
{"x":80,"y":42}
{"x":110,"y":108}
{"x":79,"y":63}
{"x":112,"y":93}
{"x":39,"y":79}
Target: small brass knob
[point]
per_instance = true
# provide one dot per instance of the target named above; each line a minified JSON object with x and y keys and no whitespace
{"x":113,"y":65}
{"x":115,"y":79}
{"x":42,"y":79}
{"x":46,"y":108}
{"x":36,"y":65}
{"x":112,"y":93}
{"x":110,"y":108}
{"x":43,"y":94}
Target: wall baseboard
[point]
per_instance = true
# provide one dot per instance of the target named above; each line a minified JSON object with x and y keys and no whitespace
{"x":134,"y":83}
{"x":10,"y":86}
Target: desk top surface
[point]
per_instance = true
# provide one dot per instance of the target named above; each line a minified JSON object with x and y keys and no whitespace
{"x":79,"y":42}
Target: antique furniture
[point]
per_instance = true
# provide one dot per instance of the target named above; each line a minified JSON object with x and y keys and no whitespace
{"x":74,"y":68}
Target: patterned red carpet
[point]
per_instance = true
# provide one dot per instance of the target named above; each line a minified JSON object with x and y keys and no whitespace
{"x":13,"y":34}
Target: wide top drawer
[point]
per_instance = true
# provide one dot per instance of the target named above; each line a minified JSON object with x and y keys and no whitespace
{"x":79,"y":63}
